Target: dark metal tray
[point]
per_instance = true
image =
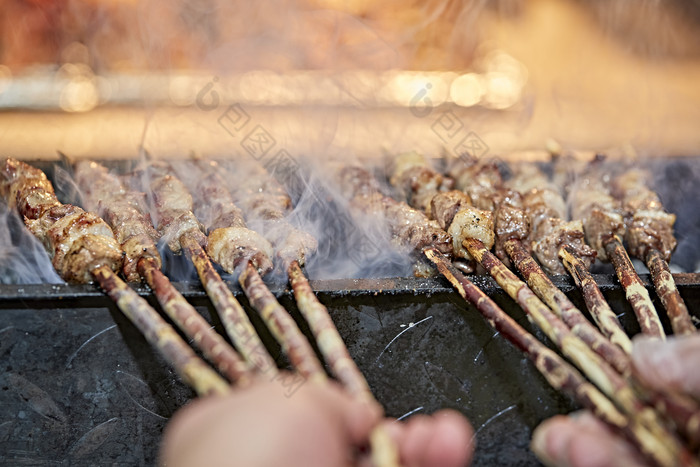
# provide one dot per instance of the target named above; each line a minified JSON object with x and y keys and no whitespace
{"x":81,"y":386}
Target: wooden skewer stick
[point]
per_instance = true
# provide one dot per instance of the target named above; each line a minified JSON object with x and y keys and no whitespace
{"x":104,"y":192}
{"x":668,"y":293}
{"x":231,"y":313}
{"x":637,"y":295}
{"x":593,"y":366}
{"x":562,"y":306}
{"x":384,"y":452}
{"x":683,"y":410}
{"x":560,"y":374}
{"x":327,"y":337}
{"x":278,"y":320}
{"x":30,"y":186}
{"x":214,"y":347}
{"x":595,"y":302}
{"x":193,"y":371}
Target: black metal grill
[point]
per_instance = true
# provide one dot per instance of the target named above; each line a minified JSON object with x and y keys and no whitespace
{"x":80,"y":385}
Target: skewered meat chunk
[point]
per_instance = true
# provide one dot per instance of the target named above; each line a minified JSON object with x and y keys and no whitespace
{"x":418,"y":183}
{"x":216,"y":209}
{"x":410,"y":229}
{"x":265,"y":202}
{"x":355,"y":182}
{"x":543,"y":204}
{"x":481,"y":180}
{"x":76,"y":241}
{"x":599,"y":212}
{"x":471,"y":222}
{"x":649,"y":227}
{"x":234,"y":246}
{"x":554,"y":233}
{"x":175,"y":217}
{"x":444,"y":206}
{"x":230,"y":242}
{"x":125,"y":209}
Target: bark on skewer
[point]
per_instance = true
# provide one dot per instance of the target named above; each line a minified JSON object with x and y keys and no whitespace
{"x":560,"y":374}
{"x":650,"y":238}
{"x":512,"y":226}
{"x":83,"y":248}
{"x":592,"y":365}
{"x":560,"y":303}
{"x":178,"y":226}
{"x":556,"y":234}
{"x":294,"y":343}
{"x":232,"y":244}
{"x":123,"y":209}
{"x":191,"y":369}
{"x":603,"y":315}
{"x":598,"y":370}
{"x":604,"y":226}
{"x":635,"y":291}
{"x":559,"y":246}
{"x":263,"y":199}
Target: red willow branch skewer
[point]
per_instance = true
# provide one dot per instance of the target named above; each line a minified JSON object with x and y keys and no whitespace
{"x":411,"y":171}
{"x":124,"y":211}
{"x":560,"y":375}
{"x":576,"y":258}
{"x":603,"y":315}
{"x":83,"y":248}
{"x":567,"y":311}
{"x":544,"y":208}
{"x":592,"y":365}
{"x":604,"y":226}
{"x":178,"y":226}
{"x":264,"y":200}
{"x":232,"y":244}
{"x":551,"y":234}
{"x":650,"y":238}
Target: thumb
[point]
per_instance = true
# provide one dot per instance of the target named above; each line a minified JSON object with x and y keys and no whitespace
{"x":669,"y":364}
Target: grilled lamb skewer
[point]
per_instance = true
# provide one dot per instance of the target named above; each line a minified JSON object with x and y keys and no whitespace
{"x":682,"y":410}
{"x":178,"y":226}
{"x":549,"y":234}
{"x":511,"y":228}
{"x":83,"y":248}
{"x":577,"y":258}
{"x":358,"y":183}
{"x":229,"y":236}
{"x":604,"y":226}
{"x":124,"y":211}
{"x":264,"y":201}
{"x":560,"y":374}
{"x":650,"y":238}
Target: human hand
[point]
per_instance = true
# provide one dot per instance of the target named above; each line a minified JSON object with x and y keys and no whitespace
{"x":319,"y":425}
{"x":582,"y":440}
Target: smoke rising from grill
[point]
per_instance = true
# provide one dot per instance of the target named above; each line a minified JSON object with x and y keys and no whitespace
{"x":23,"y":259}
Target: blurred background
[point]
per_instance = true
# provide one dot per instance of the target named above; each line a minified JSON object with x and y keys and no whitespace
{"x":101,"y":78}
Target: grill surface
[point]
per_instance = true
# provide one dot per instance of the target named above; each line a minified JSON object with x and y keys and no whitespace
{"x":81,"y":386}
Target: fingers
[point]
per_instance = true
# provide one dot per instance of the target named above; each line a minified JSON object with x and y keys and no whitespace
{"x":444,"y":439}
{"x":357,"y":417}
{"x":668,"y":364}
{"x":581,"y":441}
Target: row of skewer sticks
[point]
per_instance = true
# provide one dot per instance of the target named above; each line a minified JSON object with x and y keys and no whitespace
{"x":651,"y":420}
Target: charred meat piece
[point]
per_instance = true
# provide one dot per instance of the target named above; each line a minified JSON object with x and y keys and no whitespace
{"x":649,"y":226}
{"x":77,"y":241}
{"x":104,"y":194}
